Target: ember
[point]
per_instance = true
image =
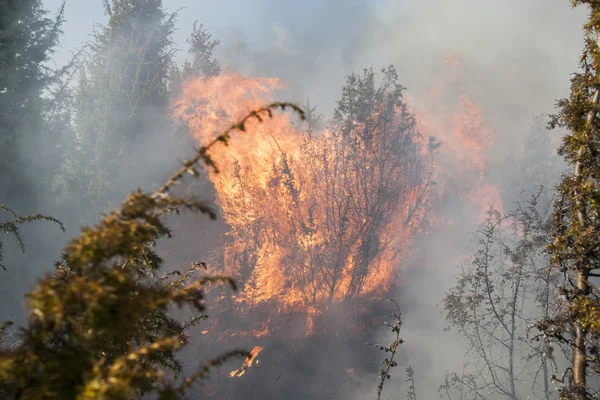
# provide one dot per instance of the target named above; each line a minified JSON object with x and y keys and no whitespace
{"x":247,"y":363}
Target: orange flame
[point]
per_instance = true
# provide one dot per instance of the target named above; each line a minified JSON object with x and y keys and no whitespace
{"x":447,"y":113}
{"x":296,"y":205}
{"x":285,"y":194}
{"x":247,"y":363}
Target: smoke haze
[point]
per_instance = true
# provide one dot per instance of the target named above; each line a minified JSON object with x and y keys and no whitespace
{"x":517,"y":57}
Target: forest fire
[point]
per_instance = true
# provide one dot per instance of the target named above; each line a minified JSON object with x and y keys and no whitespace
{"x":434,"y":241}
{"x":322,"y":218}
{"x":316,"y":217}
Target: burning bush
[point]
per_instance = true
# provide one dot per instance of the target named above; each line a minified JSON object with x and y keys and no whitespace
{"x":321,"y":217}
{"x":320,"y":220}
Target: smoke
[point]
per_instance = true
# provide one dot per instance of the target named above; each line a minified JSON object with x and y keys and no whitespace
{"x":517,"y":55}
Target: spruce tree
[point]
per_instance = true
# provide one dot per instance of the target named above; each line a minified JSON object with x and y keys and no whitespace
{"x":28,"y":37}
{"x":202,"y":64}
{"x":202,"y":46}
{"x":122,"y":98}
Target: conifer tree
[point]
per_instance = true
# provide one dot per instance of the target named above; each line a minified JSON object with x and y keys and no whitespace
{"x":202,"y":47}
{"x":203,"y":63}
{"x":28,"y":37}
{"x":122,"y":98}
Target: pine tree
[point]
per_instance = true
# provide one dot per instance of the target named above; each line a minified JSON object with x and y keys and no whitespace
{"x":122,"y":96}
{"x":575,"y":246}
{"x":203,"y":63}
{"x":202,"y":46}
{"x":27,"y":39}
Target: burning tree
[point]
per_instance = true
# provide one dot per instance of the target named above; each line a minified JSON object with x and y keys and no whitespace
{"x":318,"y":217}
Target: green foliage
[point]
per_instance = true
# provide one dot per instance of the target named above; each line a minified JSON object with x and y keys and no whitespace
{"x":359,"y":93}
{"x":376,"y":158}
{"x":11,"y":227}
{"x":392,"y":349}
{"x":122,"y":94}
{"x":27,"y":39}
{"x":203,"y":63}
{"x":101,"y":326}
{"x":575,"y":244}
{"x":201,"y":49}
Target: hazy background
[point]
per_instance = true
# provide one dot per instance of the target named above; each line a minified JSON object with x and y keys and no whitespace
{"x":521,"y":52}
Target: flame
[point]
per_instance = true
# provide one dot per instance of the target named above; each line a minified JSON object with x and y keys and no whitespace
{"x":281,"y":189}
{"x":298,"y":206}
{"x":285,"y":193}
{"x":247,"y":363}
{"x":447,"y":113}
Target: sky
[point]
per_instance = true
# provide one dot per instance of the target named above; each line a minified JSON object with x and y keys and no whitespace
{"x":522,"y":51}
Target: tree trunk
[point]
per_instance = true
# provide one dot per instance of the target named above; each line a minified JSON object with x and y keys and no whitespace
{"x":579,"y":352}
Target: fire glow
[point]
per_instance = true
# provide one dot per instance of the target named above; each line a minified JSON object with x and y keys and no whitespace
{"x":238,"y":373}
{"x":447,"y":113}
{"x":299,"y":207}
